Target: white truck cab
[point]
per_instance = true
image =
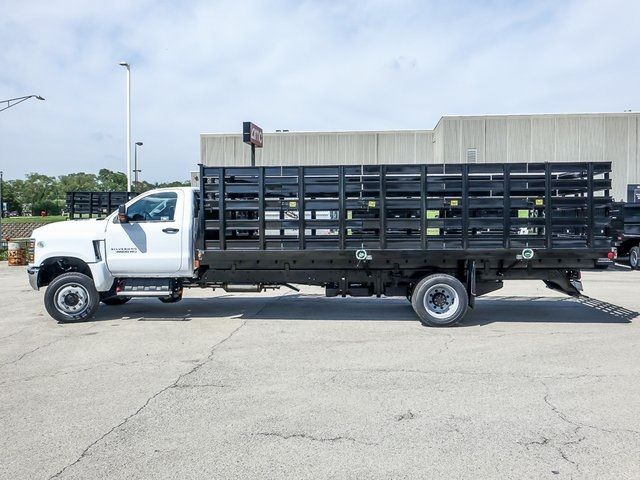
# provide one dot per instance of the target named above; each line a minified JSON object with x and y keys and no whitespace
{"x":152,"y":236}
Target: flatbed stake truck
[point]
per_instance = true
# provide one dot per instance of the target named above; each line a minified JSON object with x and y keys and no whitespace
{"x":439,"y":235}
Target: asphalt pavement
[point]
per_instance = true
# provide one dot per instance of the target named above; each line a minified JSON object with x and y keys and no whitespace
{"x":533,"y":384}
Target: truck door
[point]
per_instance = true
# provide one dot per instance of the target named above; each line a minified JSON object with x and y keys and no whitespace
{"x":151,"y":242}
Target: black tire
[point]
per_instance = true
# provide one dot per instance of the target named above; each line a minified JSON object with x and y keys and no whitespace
{"x":440,"y":300}
{"x":71,"y":297}
{"x":170,"y":299}
{"x":115,"y":300}
{"x":634,"y":257}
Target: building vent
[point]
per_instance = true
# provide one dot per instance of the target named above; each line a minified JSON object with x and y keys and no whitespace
{"x":472,"y":155}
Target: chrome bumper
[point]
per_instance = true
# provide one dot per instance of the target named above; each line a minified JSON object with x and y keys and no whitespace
{"x":32,"y":272}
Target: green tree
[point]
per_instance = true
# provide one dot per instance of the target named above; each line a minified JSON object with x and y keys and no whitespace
{"x":186,"y":183}
{"x":109,"y":181}
{"x":42,"y":192}
{"x":78,"y":182}
{"x":144,"y":186}
{"x":11,"y":194}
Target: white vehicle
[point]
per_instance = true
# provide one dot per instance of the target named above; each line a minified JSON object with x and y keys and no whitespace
{"x":80,"y":260}
{"x":401,"y":230}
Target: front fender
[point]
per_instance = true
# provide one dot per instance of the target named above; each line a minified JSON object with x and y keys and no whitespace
{"x":102,"y":277}
{"x":43,"y":274}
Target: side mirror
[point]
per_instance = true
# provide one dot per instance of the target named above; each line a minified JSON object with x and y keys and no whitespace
{"x":122,"y":214}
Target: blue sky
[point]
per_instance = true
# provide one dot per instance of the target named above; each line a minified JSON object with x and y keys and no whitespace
{"x":205,"y":66}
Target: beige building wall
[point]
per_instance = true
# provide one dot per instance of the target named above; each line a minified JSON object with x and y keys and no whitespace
{"x":316,"y":148}
{"x":497,"y":138}
{"x":546,"y":138}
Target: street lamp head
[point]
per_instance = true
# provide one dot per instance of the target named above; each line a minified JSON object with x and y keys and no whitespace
{"x":124,"y":64}
{"x":139,"y":144}
{"x":39,"y":97}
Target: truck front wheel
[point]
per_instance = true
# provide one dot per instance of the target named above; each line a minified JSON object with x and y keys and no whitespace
{"x":71,"y":297}
{"x":634,"y":257}
{"x":440,"y":300}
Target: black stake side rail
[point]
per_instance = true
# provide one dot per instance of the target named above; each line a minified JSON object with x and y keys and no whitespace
{"x":95,"y":204}
{"x":461,"y":207}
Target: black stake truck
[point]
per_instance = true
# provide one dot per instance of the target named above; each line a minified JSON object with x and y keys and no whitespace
{"x":439,"y":235}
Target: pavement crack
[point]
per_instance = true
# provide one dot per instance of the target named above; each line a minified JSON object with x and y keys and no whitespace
{"x":313,"y":438}
{"x":29,"y":352}
{"x":562,"y":416}
{"x":14,"y":333}
{"x":408,"y":415}
{"x":445,"y":346}
{"x":268,"y":303}
{"x":201,"y":385}
{"x":51,"y":375}
{"x":542,"y":441}
{"x":579,"y":425}
{"x":68,"y":372}
{"x":174,"y":384}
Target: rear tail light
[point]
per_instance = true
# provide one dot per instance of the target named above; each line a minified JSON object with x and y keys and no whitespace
{"x":611,"y":255}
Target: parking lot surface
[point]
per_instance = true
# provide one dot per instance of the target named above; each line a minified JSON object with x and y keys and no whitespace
{"x":533,"y":384}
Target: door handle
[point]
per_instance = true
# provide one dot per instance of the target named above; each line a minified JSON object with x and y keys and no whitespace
{"x":170,"y":230}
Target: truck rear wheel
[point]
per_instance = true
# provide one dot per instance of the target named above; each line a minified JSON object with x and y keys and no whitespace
{"x":71,"y":297}
{"x":440,"y":300}
{"x":115,"y":300}
{"x":634,"y":257}
{"x":171,"y":298}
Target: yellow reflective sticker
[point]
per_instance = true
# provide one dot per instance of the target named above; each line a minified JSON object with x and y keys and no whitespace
{"x":433,"y":213}
{"x":372,"y":203}
{"x":523,"y":213}
{"x":539,"y":202}
{"x":433,"y":231}
{"x":454,"y":203}
{"x":293,"y":204}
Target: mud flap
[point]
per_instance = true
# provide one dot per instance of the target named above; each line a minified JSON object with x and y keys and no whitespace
{"x":564,"y":281}
{"x":471,"y":282}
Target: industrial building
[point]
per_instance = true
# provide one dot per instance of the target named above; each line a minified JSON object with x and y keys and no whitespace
{"x":483,"y":139}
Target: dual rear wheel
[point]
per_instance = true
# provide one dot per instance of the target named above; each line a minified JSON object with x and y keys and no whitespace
{"x":440,"y":300}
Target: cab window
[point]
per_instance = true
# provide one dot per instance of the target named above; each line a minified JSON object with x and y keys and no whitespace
{"x":157,"y":207}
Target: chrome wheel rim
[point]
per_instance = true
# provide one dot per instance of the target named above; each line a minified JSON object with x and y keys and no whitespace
{"x":72,"y":299}
{"x":441,"y":301}
{"x":634,"y":259}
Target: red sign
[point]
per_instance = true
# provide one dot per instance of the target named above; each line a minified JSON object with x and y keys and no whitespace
{"x":251,"y":134}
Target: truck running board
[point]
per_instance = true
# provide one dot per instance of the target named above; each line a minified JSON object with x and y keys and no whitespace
{"x":144,"y":287}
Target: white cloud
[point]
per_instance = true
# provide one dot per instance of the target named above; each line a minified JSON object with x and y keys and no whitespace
{"x":206,"y":66}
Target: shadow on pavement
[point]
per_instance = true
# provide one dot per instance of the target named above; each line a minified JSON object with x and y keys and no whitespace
{"x":546,"y":310}
{"x":310,"y":307}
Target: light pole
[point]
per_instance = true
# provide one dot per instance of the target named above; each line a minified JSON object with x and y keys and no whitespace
{"x":135,"y":164}
{"x":128,"y":67}
{"x":12,"y":102}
